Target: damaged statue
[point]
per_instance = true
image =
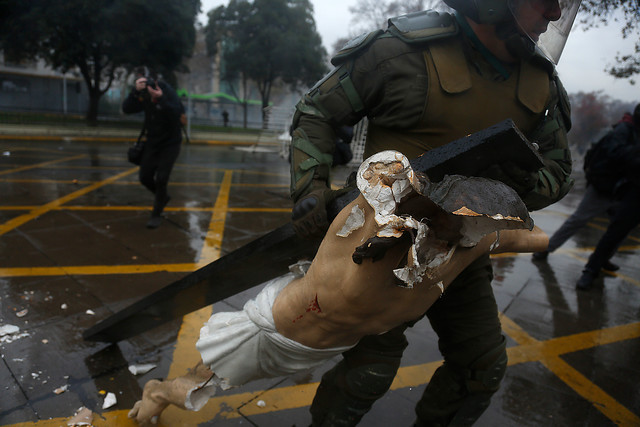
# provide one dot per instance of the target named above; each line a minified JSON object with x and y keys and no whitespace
{"x":387,"y":257}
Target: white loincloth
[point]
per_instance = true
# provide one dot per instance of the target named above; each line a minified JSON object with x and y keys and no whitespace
{"x":243,"y":346}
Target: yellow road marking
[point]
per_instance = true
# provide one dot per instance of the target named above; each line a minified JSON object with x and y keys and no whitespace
{"x":548,"y":352}
{"x":90,"y":270}
{"x":298,"y":396}
{"x":213,"y":240}
{"x":22,"y":219}
{"x":144,"y":208}
{"x":572,"y":254}
{"x":41,"y":165}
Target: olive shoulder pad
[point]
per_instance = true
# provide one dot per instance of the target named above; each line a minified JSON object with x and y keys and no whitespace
{"x":355,"y":45}
{"x":423,"y":26}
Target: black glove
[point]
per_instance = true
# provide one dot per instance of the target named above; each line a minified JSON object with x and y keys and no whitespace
{"x":521,"y":180}
{"x":309,"y":215}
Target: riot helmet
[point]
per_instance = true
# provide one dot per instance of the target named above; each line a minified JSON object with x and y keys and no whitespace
{"x":522,"y":24}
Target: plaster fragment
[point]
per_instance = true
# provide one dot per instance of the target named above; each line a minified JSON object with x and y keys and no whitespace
{"x":495,"y":244}
{"x":354,"y":221}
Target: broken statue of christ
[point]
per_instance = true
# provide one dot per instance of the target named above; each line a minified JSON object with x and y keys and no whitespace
{"x":386,"y":258}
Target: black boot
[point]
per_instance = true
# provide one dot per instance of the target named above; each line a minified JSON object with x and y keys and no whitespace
{"x":609,"y":266}
{"x":586,"y":280}
{"x":154,"y":221}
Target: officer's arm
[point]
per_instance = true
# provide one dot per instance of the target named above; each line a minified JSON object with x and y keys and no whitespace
{"x":333,"y":102}
{"x":554,"y":180}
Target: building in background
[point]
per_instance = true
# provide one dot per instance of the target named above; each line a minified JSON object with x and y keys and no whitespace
{"x":33,"y":86}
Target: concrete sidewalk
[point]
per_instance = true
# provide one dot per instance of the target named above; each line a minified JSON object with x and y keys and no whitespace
{"x":106,"y":133}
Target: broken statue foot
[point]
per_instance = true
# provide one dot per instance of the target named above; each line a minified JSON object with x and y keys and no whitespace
{"x":154,"y":221}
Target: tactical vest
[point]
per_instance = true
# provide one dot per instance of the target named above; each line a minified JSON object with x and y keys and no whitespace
{"x":460,"y":101}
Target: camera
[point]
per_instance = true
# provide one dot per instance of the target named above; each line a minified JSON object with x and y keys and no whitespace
{"x":151,"y":82}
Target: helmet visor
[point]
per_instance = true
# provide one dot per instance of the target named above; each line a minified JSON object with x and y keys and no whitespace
{"x":546,"y":22}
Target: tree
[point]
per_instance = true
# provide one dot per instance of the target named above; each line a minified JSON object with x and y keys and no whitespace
{"x":100,"y":40}
{"x":596,"y":12}
{"x":267,"y":42}
{"x":369,"y":15}
{"x":592,"y":114}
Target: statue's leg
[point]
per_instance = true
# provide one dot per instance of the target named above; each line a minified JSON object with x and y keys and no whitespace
{"x":190,"y":391}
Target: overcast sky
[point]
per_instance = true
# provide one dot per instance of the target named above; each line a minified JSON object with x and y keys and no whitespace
{"x":581,"y":67}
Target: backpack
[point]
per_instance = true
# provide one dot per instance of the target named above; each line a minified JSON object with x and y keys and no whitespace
{"x":601,"y":168}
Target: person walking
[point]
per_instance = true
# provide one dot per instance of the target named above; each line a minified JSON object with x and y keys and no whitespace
{"x":162,"y":109}
{"x":429,"y":79}
{"x":619,"y":171}
{"x":603,"y":191}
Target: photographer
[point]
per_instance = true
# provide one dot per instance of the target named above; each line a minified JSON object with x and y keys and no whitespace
{"x":162,"y":109}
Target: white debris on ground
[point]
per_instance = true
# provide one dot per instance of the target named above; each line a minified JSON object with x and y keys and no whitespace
{"x":109,"y":401}
{"x":62,"y":389}
{"x":9,"y":334}
{"x":141,"y":369}
{"x":83,"y":417}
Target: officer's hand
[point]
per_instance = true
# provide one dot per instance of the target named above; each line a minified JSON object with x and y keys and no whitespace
{"x":309,"y":214}
{"x":521,"y":180}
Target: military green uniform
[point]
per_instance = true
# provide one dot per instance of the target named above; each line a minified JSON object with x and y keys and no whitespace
{"x":422,"y":83}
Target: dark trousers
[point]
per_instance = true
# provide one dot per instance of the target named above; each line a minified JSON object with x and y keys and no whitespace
{"x":470,"y":339}
{"x":155,"y":170}
{"x":625,"y":219}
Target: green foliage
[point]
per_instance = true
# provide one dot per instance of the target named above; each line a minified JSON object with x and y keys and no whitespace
{"x":267,"y":41}
{"x":100,"y":38}
{"x":596,"y":12}
{"x":592,"y":114}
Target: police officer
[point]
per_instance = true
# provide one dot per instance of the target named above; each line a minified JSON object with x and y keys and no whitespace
{"x":429,"y":79}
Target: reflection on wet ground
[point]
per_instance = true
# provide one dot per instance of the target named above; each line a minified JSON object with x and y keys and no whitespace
{"x":74,"y":249}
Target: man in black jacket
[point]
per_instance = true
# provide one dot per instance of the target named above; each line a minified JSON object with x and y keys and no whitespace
{"x":162,"y":109}
{"x":622,"y":170}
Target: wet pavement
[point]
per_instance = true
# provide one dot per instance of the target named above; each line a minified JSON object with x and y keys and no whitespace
{"x":74,"y":249}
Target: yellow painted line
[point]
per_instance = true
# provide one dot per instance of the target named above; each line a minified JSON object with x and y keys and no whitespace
{"x":42,"y":165}
{"x":547,"y":353}
{"x":298,"y":396}
{"x":259,"y":210}
{"x":93,"y":270}
{"x":68,"y":138}
{"x":609,"y":407}
{"x":571,"y":254}
{"x":22,"y":219}
{"x":146,"y":208}
{"x":213,"y":240}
